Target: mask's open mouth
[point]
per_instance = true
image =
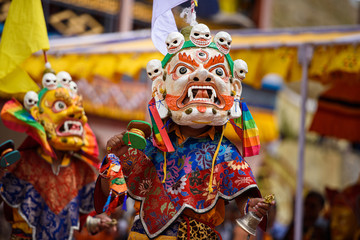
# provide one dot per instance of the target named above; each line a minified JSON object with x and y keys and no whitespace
{"x":200,"y":41}
{"x":201,"y":93}
{"x":70,"y":128}
{"x":224,"y":47}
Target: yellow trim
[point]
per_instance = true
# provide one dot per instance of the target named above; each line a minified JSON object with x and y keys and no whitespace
{"x":20,"y":223}
{"x":64,"y":162}
{"x":164,"y":168}
{"x":213,"y":161}
{"x":199,"y":122}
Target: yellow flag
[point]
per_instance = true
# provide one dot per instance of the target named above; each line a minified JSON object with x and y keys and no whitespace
{"x":24,"y":33}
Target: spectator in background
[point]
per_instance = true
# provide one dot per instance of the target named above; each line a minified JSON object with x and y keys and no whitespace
{"x":315,"y":227}
{"x":345,"y":212}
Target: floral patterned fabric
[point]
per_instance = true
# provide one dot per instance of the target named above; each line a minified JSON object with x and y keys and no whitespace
{"x":188,"y":172}
{"x":52,"y":205}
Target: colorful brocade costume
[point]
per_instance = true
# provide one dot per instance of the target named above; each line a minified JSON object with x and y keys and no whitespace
{"x":48,"y":193}
{"x":51,"y":205}
{"x":167,"y":208}
{"x":188,"y":169}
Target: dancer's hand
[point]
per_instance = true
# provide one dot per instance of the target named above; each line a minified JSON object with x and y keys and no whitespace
{"x":100,"y":223}
{"x":259,"y":206}
{"x":116,"y":145}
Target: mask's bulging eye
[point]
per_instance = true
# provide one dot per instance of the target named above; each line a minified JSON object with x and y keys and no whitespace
{"x":59,"y":106}
{"x":219,"y":72}
{"x":183,"y":70}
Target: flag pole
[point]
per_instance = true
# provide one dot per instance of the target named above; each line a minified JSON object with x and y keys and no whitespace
{"x":305,"y":53}
{"x":45,"y":56}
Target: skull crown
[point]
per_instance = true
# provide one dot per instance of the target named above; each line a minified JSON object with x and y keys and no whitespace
{"x":50,"y":81}
{"x":197,"y":83}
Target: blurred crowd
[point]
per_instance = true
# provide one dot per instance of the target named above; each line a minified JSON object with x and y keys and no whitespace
{"x":333,"y":216}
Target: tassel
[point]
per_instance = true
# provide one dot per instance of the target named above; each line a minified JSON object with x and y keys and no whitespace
{"x":113,"y":204}
{"x":124,"y":203}
{"x":106,"y":206}
{"x":213,"y":161}
{"x":164,"y":168}
{"x":245,"y":127}
{"x":250,"y":138}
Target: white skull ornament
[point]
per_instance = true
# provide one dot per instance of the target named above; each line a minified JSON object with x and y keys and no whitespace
{"x":73,"y":88}
{"x":49,"y":81}
{"x":155,"y":72}
{"x":240,"y":69}
{"x":154,"y":69}
{"x":64,"y":79}
{"x":223,"y":41}
{"x":31,"y":99}
{"x":200,"y":35}
{"x":174,"y":42}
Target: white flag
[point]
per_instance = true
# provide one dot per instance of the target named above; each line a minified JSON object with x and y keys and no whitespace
{"x":163,"y":22}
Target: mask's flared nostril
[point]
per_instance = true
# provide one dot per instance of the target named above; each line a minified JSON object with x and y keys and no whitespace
{"x":71,"y":115}
{"x":196,"y":79}
{"x":208,"y":79}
